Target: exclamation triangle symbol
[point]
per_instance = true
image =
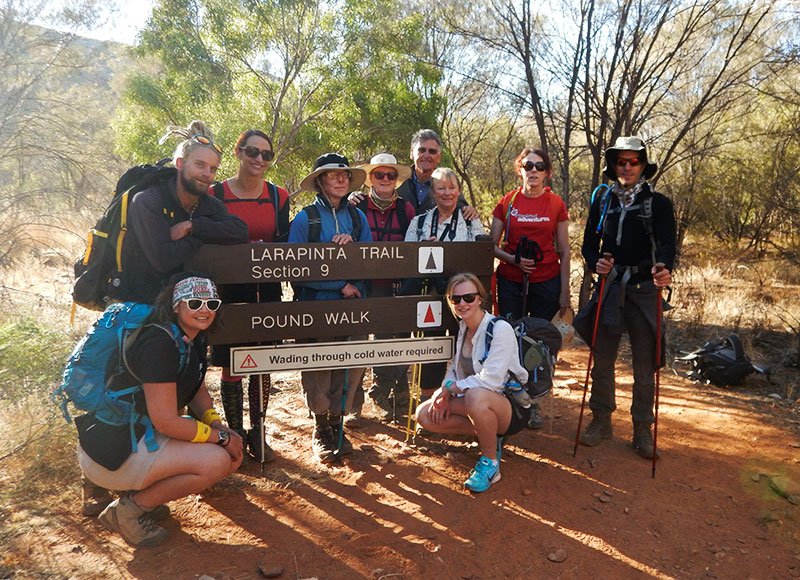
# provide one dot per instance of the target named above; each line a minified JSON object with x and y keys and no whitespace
{"x":429,"y":317}
{"x":249,"y":363}
{"x":431,"y":265}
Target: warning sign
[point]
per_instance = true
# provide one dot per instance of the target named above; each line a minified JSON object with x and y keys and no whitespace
{"x":431,"y":260}
{"x":334,"y":355}
{"x":249,"y":363}
{"x":429,"y":314}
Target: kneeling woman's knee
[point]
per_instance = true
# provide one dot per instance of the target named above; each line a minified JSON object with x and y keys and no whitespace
{"x":423,"y":414}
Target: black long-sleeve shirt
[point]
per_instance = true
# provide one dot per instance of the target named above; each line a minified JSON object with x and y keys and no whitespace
{"x":150,"y":256}
{"x":634,"y":248}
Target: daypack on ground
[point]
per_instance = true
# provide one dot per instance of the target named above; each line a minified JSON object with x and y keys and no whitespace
{"x":101,"y":264}
{"x":721,"y":362}
{"x":538,"y":342}
{"x":89,"y":373}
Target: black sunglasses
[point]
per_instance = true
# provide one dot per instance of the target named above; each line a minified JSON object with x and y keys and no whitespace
{"x":430,"y":150}
{"x":530,"y":165}
{"x":469,"y":298}
{"x":379,"y":175}
{"x":195,"y":304}
{"x":253,"y":153}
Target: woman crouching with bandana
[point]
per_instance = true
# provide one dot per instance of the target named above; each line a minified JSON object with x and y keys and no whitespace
{"x":191,"y":455}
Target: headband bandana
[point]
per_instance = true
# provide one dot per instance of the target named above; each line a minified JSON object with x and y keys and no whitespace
{"x":194,"y":287}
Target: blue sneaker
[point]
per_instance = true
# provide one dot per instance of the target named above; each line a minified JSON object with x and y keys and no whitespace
{"x":483,"y":476}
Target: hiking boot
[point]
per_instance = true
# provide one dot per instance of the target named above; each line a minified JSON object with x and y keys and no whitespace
{"x":159,"y":513}
{"x":599,"y":429}
{"x":133,"y":523}
{"x":536,"y":421}
{"x":95,"y":498}
{"x":323,"y":445}
{"x":483,"y":475}
{"x":347,"y":447}
{"x":254,"y":446}
{"x":643,"y":439}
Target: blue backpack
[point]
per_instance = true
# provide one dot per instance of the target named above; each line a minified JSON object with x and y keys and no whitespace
{"x":88,"y":374}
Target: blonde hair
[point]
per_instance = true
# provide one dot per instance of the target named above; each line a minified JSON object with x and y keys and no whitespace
{"x":456,"y":279}
{"x":445,"y":174}
{"x":188,"y":142}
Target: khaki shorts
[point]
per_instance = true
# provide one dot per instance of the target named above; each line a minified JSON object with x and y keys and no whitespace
{"x":131,"y":474}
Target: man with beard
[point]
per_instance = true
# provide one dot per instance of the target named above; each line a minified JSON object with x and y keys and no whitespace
{"x":170,"y":220}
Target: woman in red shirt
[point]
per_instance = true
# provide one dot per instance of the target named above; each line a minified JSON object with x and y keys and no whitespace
{"x":264,"y":207}
{"x":530,"y":226}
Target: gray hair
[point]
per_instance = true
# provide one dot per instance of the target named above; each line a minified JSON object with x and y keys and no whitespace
{"x":189,"y":142}
{"x":446,"y":174}
{"x":425,"y":135}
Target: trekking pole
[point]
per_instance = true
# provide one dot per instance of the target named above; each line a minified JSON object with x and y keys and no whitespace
{"x":415,"y":395}
{"x":603,"y":278}
{"x":264,"y":387}
{"x":341,"y":417}
{"x":659,"y":313}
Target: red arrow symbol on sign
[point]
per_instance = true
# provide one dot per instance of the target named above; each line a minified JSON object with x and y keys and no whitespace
{"x":429,"y":317}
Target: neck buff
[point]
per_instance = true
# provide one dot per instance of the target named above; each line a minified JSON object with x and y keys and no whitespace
{"x":627,"y":196}
{"x":380,"y":203}
{"x":194,"y":287}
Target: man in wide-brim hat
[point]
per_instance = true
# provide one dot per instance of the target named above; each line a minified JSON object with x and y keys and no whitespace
{"x":330,"y":219}
{"x":636,"y":225}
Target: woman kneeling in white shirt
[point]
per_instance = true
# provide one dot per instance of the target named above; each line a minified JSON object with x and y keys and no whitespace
{"x":472,"y":399}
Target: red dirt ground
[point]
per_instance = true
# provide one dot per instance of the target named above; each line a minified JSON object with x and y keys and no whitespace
{"x":399,"y":511}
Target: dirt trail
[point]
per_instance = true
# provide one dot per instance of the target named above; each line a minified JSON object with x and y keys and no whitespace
{"x":395,"y":511}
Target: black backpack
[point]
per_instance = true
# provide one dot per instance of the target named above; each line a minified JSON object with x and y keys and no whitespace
{"x":101,"y":264}
{"x":721,"y":362}
{"x":315,"y":223}
{"x":538,"y":341}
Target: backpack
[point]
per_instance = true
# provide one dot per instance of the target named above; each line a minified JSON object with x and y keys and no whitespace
{"x":274,"y":199}
{"x":646,"y":214}
{"x":315,"y":222}
{"x":721,"y":362}
{"x":89,"y":371}
{"x":101,"y":263}
{"x":399,"y":210}
{"x":538,"y":341}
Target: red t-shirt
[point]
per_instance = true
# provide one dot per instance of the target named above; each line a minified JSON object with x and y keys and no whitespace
{"x":257,"y":213}
{"x":537,"y":219}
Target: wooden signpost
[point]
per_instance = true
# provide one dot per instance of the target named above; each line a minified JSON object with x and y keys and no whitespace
{"x":332,"y":319}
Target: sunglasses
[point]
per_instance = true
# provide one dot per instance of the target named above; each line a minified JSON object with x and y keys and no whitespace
{"x":635,"y":162}
{"x":531,"y":165}
{"x":206,"y":141}
{"x":253,"y":153}
{"x":338,"y":175}
{"x":468,"y":298}
{"x":195,"y":304}
{"x":429,"y":150}
{"x":380,"y":175}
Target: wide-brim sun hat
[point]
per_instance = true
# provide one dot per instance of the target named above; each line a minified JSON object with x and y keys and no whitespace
{"x":333,"y":162}
{"x":627,"y":144}
{"x":386,"y":160}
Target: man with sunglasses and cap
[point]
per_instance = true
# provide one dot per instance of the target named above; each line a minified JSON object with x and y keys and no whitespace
{"x":630,"y":239}
{"x":171,"y":219}
{"x":330,"y":219}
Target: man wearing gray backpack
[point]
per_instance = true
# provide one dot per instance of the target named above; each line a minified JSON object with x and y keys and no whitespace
{"x":629,"y":241}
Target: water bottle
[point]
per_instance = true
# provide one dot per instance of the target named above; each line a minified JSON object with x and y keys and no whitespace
{"x":516,"y":390}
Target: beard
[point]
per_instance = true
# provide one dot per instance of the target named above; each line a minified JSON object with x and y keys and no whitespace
{"x":192,"y":186}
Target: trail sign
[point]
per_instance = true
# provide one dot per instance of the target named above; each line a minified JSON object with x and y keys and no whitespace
{"x":248,"y":360}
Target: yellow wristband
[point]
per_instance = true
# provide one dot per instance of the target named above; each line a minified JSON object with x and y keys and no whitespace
{"x":203,"y":433}
{"x":210,"y":416}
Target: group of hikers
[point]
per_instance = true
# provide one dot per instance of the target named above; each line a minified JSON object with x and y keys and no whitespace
{"x":629,"y":241}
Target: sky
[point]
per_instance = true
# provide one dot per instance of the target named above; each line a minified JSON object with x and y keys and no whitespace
{"x":122,"y":23}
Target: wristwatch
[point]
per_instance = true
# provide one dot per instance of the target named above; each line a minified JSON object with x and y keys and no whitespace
{"x":224,"y":438}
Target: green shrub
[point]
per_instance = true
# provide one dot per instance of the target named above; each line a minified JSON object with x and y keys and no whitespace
{"x":32,"y":357}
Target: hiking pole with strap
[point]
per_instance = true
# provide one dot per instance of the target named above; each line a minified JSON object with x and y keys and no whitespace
{"x":341,"y":417}
{"x":603,"y":278}
{"x":264,"y":387}
{"x":530,"y":250}
{"x":659,"y":313}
